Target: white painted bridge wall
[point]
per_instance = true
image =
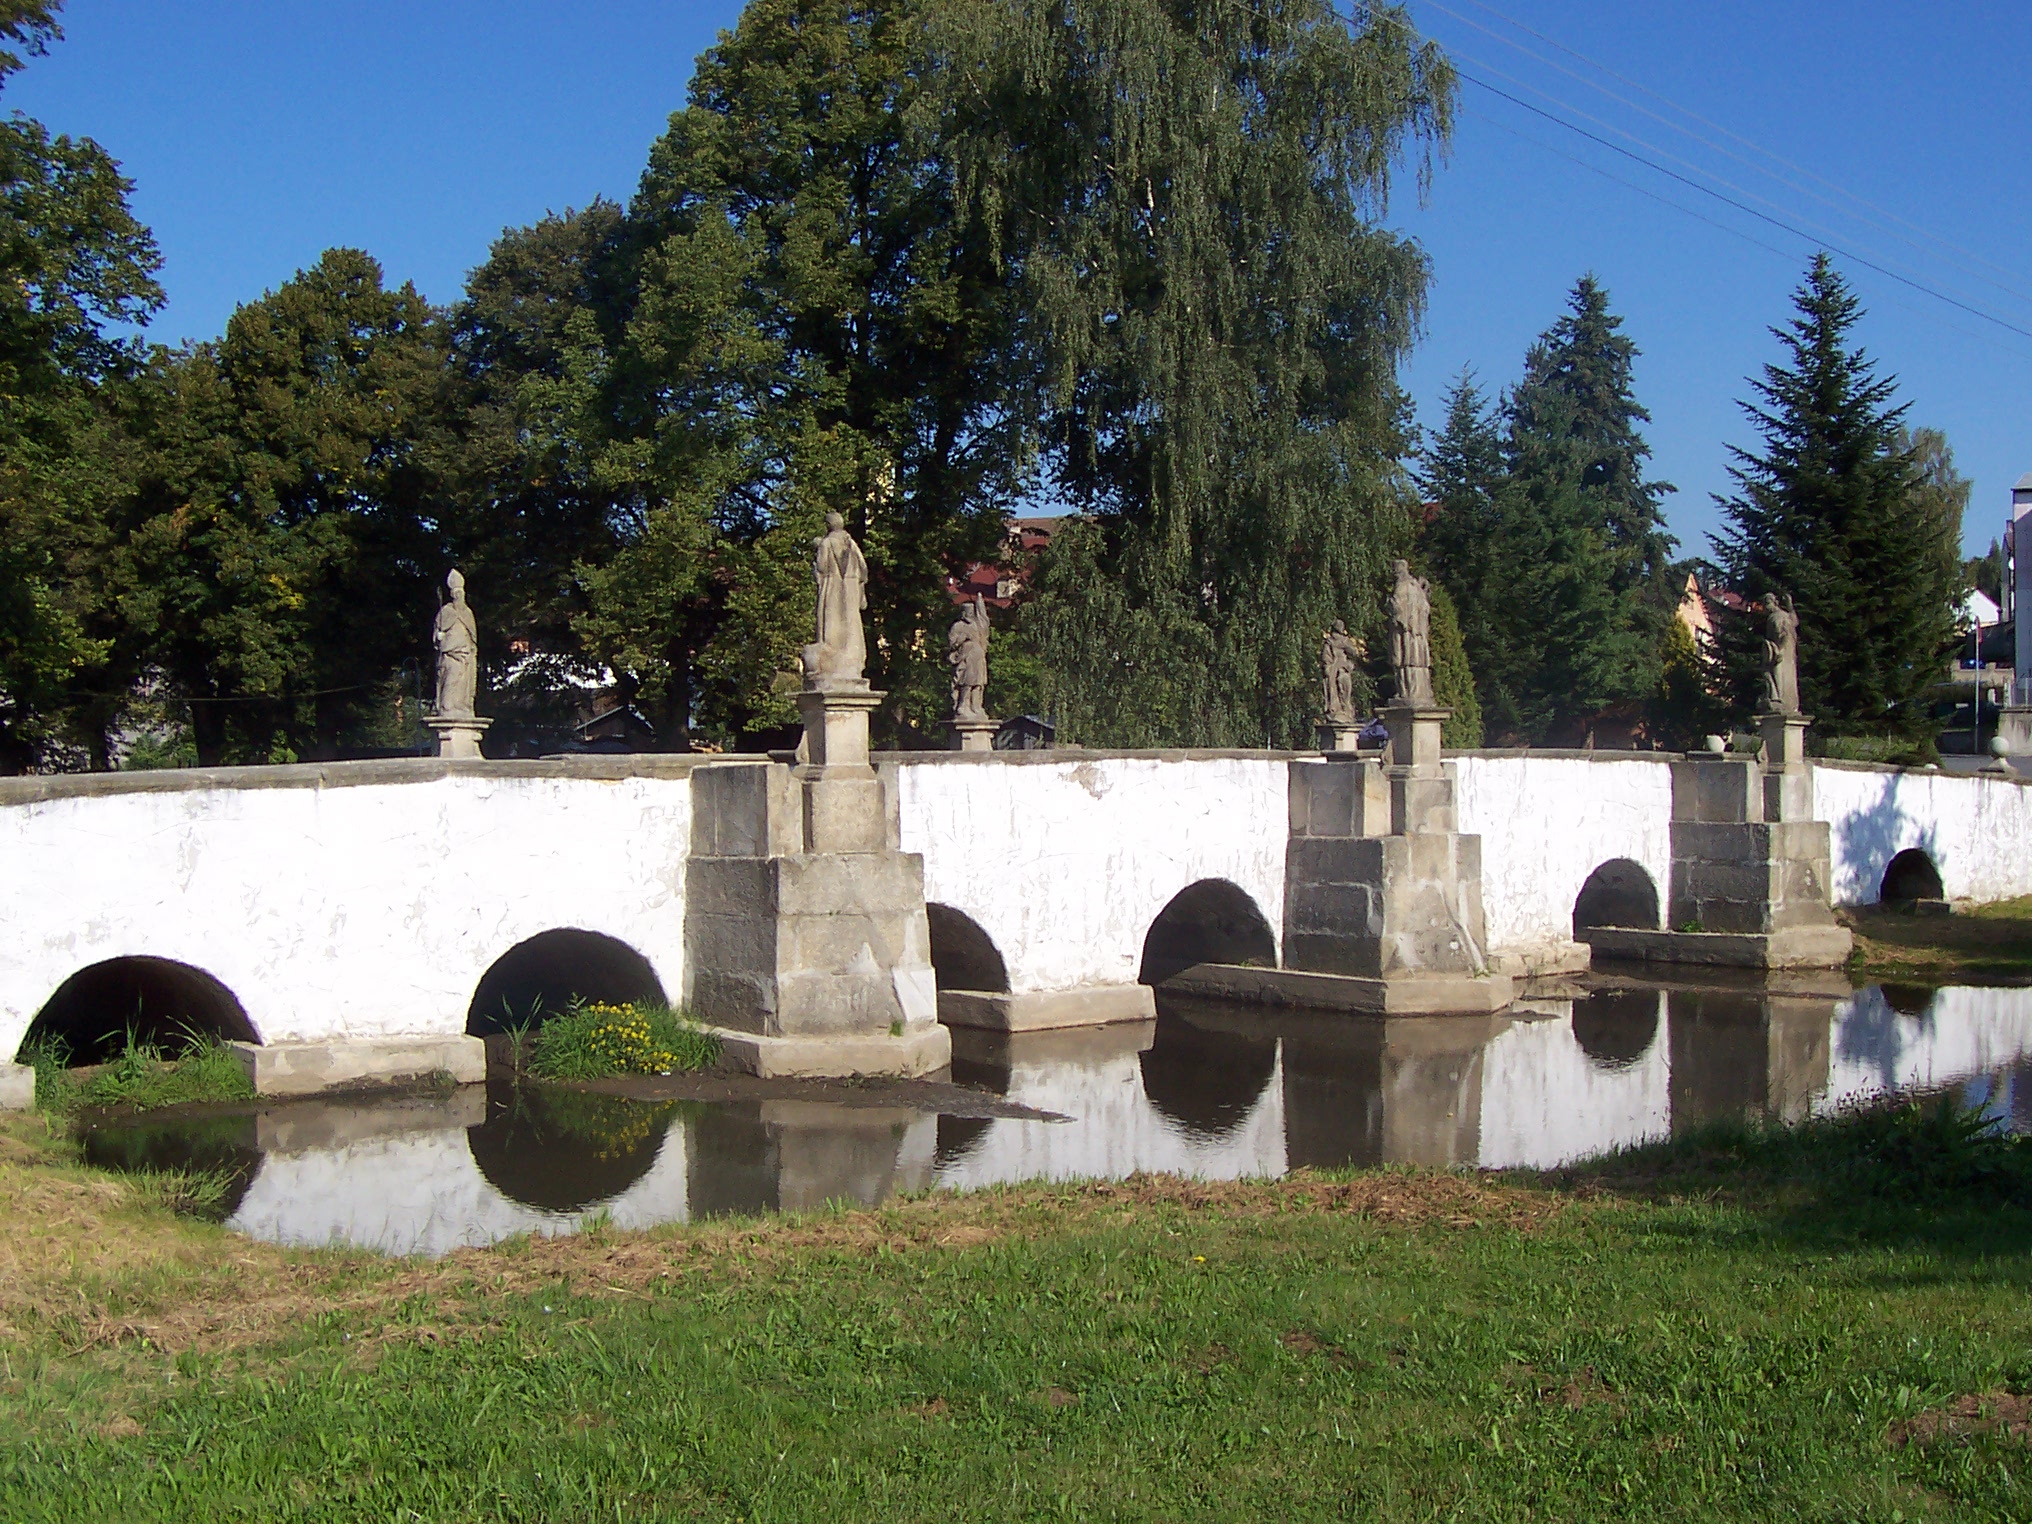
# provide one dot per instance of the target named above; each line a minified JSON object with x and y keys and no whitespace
{"x":336,"y":906}
{"x":338,"y":912}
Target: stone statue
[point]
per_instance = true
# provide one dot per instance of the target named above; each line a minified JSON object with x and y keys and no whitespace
{"x":841,"y":651}
{"x":1340,"y":654}
{"x":1781,"y":655}
{"x":457,"y":638}
{"x":1411,"y":639}
{"x":966,"y":648}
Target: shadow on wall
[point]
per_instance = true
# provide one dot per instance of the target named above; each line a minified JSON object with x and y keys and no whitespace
{"x":540,"y":978}
{"x":1910,"y":876}
{"x":1212,"y":921}
{"x":963,"y":955}
{"x":1618,"y":893}
{"x":157,"y":1000}
{"x":1866,"y":841}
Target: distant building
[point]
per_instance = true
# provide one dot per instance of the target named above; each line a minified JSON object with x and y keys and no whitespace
{"x":1006,"y":579}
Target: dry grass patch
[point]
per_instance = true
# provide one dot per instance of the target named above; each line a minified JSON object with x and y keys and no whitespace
{"x":2008,"y":1414}
{"x":1991,"y":941}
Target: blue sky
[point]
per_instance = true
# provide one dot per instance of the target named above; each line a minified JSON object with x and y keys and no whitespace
{"x":259,"y":134}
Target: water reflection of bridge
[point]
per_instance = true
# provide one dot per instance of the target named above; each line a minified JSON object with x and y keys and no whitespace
{"x":1207,"y":1090}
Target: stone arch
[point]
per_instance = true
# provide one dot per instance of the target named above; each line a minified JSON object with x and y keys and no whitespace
{"x":1615,"y":1028}
{"x":537,"y":979}
{"x":1212,"y":921}
{"x":1909,"y":877}
{"x":159,"y":1000}
{"x":1620,"y":892}
{"x":963,"y":955}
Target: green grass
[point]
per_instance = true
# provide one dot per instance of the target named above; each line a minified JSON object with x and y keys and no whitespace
{"x":141,"y":1077}
{"x":597,"y":1041}
{"x":1991,"y":941}
{"x":1729,"y":1327}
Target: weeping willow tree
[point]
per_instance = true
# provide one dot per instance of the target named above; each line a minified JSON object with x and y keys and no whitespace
{"x":1188,"y":195}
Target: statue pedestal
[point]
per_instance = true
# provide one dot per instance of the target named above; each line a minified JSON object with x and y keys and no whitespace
{"x":1382,"y":895}
{"x":1338,"y":736}
{"x":810,"y":953}
{"x":458,"y":735}
{"x":1788,"y":783}
{"x":974,"y":734}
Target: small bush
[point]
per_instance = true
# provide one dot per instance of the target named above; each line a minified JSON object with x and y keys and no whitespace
{"x":596,"y":1041}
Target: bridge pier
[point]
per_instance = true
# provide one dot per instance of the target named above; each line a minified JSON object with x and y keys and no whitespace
{"x":1382,"y":892}
{"x":1751,"y":869}
{"x":807,"y":948}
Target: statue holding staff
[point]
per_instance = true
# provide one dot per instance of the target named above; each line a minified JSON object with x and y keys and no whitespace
{"x":1411,"y":639}
{"x":457,"y":638}
{"x":967,"y":649}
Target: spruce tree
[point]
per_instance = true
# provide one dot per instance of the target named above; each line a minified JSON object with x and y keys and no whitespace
{"x":1462,"y":477}
{"x":1834,"y":510}
{"x":1580,"y":614}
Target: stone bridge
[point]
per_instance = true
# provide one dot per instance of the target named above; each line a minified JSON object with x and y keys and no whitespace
{"x":417,"y":902}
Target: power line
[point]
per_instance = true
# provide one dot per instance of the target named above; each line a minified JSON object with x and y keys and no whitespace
{"x":1737,"y":137}
{"x":1819,"y":231}
{"x":1777,"y":222}
{"x":2000,"y":345}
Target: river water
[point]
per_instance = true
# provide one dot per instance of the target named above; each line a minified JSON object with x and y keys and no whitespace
{"x":1209,"y":1089}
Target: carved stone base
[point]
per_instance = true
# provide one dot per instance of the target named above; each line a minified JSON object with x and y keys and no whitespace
{"x":1410,"y":994}
{"x":1340,"y":736}
{"x":458,"y":735}
{"x":1790,"y":947}
{"x":908,"y":1055}
{"x":974,"y":735}
{"x":1045,"y":1011}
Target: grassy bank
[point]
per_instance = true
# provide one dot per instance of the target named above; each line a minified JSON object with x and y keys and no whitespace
{"x":1976,"y":942}
{"x":141,"y":1077}
{"x":1742,"y":1326}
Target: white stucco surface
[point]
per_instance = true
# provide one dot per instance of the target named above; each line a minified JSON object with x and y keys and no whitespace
{"x":1546,"y":823}
{"x":1977,"y":830}
{"x":1066,"y":864}
{"x":346,"y":912}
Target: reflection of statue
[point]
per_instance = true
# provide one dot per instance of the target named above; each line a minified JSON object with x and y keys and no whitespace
{"x":1410,"y":639}
{"x":841,"y":650}
{"x":967,"y":649}
{"x":1340,"y":654}
{"x":1781,"y":655}
{"x":457,"y":638}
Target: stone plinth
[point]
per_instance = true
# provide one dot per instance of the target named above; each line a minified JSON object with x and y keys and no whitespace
{"x":458,"y":735}
{"x":1337,"y":737}
{"x":1382,"y":895}
{"x":1751,"y":870}
{"x":808,"y":951}
{"x":1093,"y":1005}
{"x":2014,"y":729}
{"x":17,"y":1087}
{"x":974,"y":734}
{"x":309,"y":1068}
